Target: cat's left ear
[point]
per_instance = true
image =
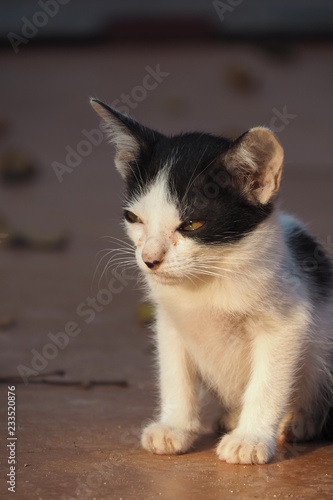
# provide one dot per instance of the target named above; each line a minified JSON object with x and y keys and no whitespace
{"x":129,"y":137}
{"x":255,"y":162}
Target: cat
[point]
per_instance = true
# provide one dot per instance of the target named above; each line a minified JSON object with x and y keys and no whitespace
{"x":243,"y":294}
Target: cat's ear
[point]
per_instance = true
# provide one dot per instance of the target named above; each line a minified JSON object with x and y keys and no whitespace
{"x":255,"y":162}
{"x":129,"y":137}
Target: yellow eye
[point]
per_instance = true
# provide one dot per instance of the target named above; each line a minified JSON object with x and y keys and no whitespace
{"x":130,"y":217}
{"x":191,"y":225}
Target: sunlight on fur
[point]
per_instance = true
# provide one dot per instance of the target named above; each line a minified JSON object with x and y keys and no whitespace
{"x":239,"y":308}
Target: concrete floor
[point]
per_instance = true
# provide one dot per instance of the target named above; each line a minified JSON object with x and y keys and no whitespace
{"x":83,"y":443}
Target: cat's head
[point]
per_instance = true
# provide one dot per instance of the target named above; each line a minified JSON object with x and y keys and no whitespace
{"x":189,"y":195}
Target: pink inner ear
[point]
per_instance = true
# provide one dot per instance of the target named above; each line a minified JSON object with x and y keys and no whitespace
{"x":277,"y":180}
{"x":273,"y":171}
{"x":122,"y":161}
{"x":256,"y":162}
{"x":269,"y":185}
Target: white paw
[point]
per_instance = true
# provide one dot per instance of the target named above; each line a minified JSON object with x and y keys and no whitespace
{"x":238,"y":448}
{"x":163,"y":440}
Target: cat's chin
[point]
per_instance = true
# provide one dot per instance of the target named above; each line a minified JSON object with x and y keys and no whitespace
{"x":165,"y":279}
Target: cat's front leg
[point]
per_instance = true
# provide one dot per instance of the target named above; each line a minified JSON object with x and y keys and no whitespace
{"x":275,"y":357}
{"x":178,"y":423}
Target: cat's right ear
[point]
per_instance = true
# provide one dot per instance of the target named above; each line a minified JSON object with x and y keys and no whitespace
{"x":129,"y":137}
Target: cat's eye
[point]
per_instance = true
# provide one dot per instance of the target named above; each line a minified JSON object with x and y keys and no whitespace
{"x":191,"y":225}
{"x":131,"y":217}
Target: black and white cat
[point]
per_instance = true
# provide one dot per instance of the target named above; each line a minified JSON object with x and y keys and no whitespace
{"x":244,"y":295}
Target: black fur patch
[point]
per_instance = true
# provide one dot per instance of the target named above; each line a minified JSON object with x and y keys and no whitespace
{"x":327,"y":431}
{"x":200,"y":184}
{"x":312,"y":261}
{"x":147,"y":165}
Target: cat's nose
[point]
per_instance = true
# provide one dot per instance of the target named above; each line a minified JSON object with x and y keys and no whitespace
{"x":153,"y":254}
{"x":152,"y":265}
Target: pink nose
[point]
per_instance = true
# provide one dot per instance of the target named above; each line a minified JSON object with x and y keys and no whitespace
{"x":152,"y":258}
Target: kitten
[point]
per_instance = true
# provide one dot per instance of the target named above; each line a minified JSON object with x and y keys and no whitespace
{"x":244,"y":295}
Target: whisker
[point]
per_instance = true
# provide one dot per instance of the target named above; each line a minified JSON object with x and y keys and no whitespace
{"x":117,"y":241}
{"x":110,"y":264}
{"x":203,"y":266}
{"x":119,"y":251}
{"x":211,"y":273}
{"x":123,"y":253}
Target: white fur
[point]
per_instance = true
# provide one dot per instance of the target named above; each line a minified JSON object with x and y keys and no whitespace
{"x":239,"y":318}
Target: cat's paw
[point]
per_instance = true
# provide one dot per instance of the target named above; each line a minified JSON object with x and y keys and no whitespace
{"x":300,"y":426}
{"x":164,"y":440}
{"x":238,"y":448}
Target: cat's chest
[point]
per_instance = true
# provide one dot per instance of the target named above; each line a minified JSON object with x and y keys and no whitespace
{"x":196,"y":317}
{"x":204,"y":326}
{"x":217,"y":342}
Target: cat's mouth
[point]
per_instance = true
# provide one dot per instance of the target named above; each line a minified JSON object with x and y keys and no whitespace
{"x":165,"y":278}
